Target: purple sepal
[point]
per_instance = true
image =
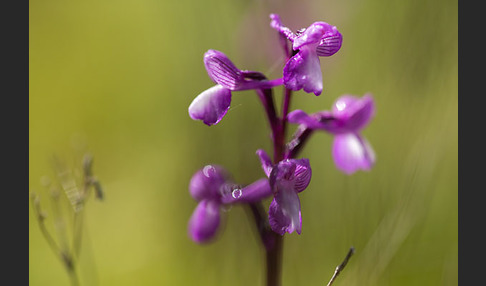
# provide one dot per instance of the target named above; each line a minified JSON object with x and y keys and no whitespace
{"x":330,"y":43}
{"x":211,"y":105}
{"x":222,"y":70}
{"x":303,"y":71}
{"x":284,"y":213}
{"x":352,"y":152}
{"x":302,"y":174}
{"x":353,"y":111}
{"x":204,"y":221}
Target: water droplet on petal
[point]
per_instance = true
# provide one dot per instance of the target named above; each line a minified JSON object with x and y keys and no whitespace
{"x":208,"y":170}
{"x":236,"y":193}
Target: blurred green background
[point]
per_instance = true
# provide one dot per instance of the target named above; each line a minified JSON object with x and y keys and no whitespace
{"x":115,"y":79}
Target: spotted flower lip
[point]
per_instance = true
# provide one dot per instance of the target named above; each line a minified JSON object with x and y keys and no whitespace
{"x":287,"y":178}
{"x":212,"y":186}
{"x":211,"y":105}
{"x":349,"y":115}
{"x":303,"y":70}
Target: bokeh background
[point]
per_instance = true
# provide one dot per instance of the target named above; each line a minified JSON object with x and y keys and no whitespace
{"x":115,"y":79}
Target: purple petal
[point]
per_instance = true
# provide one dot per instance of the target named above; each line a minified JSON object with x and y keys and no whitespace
{"x":254,"y":192}
{"x":265,"y":161}
{"x":222,"y":70}
{"x":330,"y":42}
{"x":352,"y":152}
{"x":353,"y":111}
{"x":313,"y":35}
{"x":304,"y":71}
{"x":284,"y":214}
{"x":204,"y":221}
{"x":207,"y":182}
{"x":211,"y":105}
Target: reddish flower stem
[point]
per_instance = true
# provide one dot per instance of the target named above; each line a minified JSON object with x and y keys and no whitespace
{"x":272,"y":241}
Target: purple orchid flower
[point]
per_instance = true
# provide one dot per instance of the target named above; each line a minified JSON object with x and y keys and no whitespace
{"x":303,"y":70}
{"x":350,"y":114}
{"x":212,"y":104}
{"x":287,"y":178}
{"x":213,"y":187}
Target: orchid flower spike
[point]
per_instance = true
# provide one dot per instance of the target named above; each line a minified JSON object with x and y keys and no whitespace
{"x":213,"y":187}
{"x":287,"y":178}
{"x":211,"y":105}
{"x":303,"y":70}
{"x":350,"y":114}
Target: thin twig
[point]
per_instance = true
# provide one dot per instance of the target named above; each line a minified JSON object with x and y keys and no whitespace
{"x":65,"y":257}
{"x":77,"y":196}
{"x":77,"y":233}
{"x":341,"y":266}
{"x":40,"y":218}
{"x":73,"y":277}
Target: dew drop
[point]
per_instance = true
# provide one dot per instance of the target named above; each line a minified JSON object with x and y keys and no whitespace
{"x":209,"y":170}
{"x":236,"y":193}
